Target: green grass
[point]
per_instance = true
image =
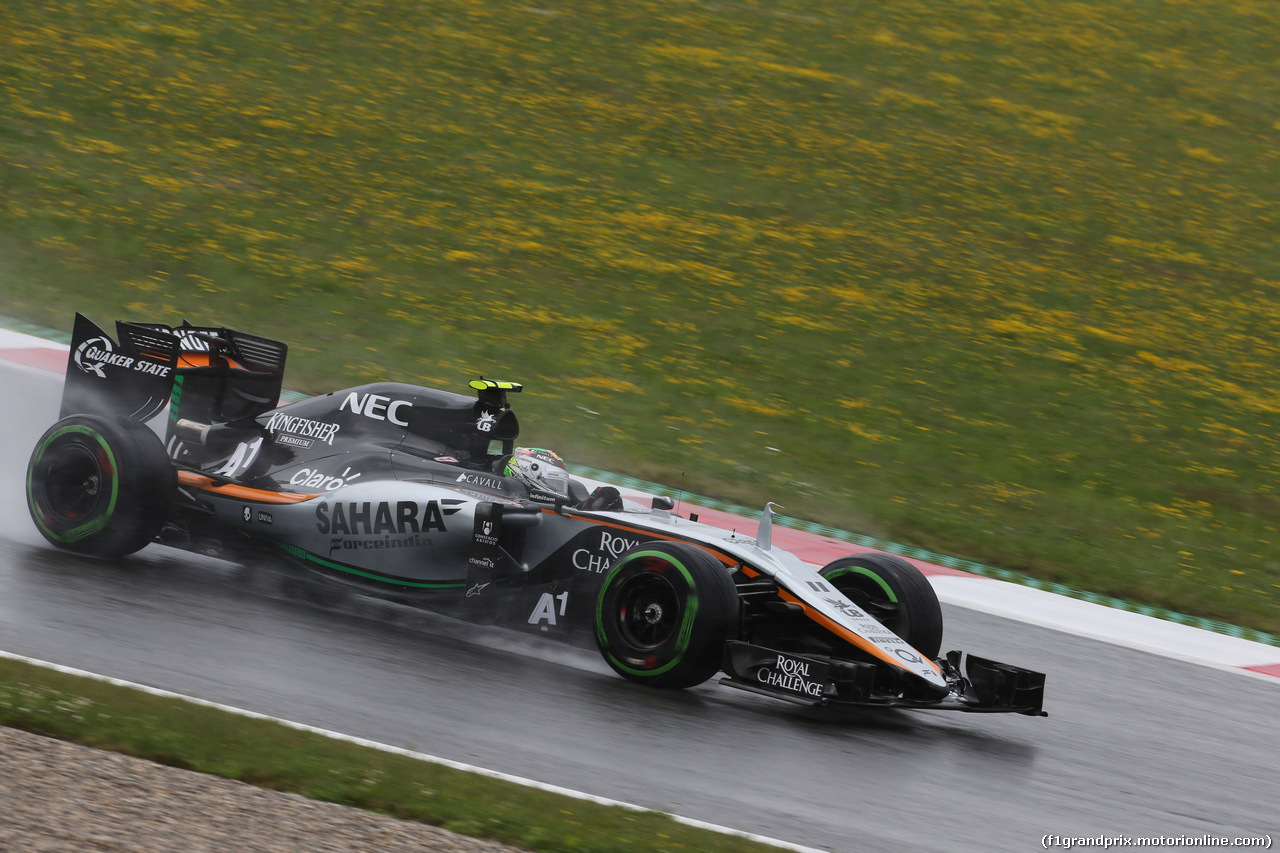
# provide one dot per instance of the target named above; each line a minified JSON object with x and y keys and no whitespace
{"x":271,"y":755}
{"x":994,"y":278}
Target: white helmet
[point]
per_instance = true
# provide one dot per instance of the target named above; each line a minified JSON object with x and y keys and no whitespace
{"x":538,"y":469}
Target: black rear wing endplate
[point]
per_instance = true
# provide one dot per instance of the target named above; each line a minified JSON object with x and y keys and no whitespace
{"x":132,"y":377}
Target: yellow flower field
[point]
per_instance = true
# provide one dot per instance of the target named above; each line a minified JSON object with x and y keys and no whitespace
{"x":994,"y":278}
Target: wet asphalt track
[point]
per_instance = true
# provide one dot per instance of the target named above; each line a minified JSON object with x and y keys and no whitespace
{"x":1135,"y":744}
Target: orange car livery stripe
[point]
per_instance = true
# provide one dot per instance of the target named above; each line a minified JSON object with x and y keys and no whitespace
{"x":844,"y":633}
{"x":232,"y":490}
{"x":202,"y":359}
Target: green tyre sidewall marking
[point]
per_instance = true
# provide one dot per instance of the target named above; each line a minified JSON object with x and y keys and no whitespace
{"x":96,"y":525}
{"x":686,"y":626}
{"x":862,"y":570}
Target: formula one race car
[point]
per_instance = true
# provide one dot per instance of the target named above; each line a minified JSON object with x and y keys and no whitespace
{"x":421,"y":496}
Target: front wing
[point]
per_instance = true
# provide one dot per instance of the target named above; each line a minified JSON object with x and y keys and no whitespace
{"x":974,"y":684}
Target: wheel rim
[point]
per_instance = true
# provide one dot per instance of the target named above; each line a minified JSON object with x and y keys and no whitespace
{"x":648,"y":611}
{"x":73,"y":481}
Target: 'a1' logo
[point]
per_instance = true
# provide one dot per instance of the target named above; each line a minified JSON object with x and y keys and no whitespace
{"x":545,"y":609}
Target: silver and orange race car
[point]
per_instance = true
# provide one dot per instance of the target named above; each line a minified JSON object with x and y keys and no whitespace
{"x":176,"y":435}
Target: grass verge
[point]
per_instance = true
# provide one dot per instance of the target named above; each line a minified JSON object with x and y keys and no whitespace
{"x":209,"y":740}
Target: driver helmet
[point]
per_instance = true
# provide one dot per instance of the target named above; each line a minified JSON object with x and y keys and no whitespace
{"x":538,"y":469}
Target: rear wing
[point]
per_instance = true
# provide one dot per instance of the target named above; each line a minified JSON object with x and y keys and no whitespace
{"x":209,"y":374}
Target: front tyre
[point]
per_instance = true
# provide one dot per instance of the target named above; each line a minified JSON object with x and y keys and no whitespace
{"x":99,"y":485}
{"x":663,"y":615}
{"x":894,"y":592}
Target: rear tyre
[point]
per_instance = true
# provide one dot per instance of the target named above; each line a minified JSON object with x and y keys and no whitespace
{"x":894,"y":592}
{"x":99,"y":486}
{"x":663,"y":615}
